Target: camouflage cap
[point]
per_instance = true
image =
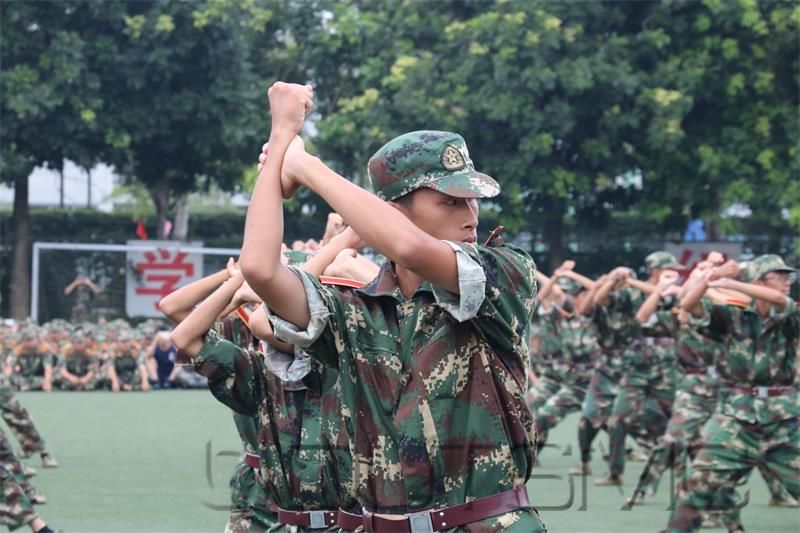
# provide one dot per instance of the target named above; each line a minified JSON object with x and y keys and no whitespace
{"x":438,"y":160}
{"x":746,"y":271}
{"x":764,"y":264}
{"x":662,"y":260}
{"x":569,"y":285}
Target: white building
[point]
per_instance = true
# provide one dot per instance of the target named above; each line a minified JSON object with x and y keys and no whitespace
{"x":44,"y":188}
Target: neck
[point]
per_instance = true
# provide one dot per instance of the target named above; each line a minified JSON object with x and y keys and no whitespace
{"x":407,"y":280}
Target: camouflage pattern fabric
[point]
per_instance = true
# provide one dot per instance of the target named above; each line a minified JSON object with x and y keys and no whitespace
{"x":435,"y":159}
{"x":729,"y":452}
{"x":746,"y":429}
{"x":29,"y":366}
{"x":578,"y":344}
{"x":546,"y":336}
{"x":758,"y":352}
{"x":16,"y":509}
{"x":20,"y":422}
{"x":436,"y":383}
{"x":79,"y":361}
{"x":647,"y":379}
{"x":251,"y":509}
{"x":296,"y":464}
{"x":11,"y":462}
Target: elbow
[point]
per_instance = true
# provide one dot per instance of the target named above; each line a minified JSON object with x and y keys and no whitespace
{"x":256,"y":272}
{"x":178,"y":339}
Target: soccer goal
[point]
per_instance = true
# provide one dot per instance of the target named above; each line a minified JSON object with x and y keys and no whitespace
{"x":84,"y":281}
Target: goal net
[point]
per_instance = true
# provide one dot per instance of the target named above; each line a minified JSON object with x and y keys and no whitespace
{"x":83,"y":281}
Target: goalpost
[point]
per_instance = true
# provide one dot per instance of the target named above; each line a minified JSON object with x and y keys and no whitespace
{"x":128,"y":279}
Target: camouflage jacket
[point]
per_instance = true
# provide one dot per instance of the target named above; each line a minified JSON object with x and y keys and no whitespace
{"x":435,"y":383}
{"x":546,"y":358}
{"x":296,"y":462}
{"x":27,"y":363}
{"x":126,"y":361}
{"x":656,"y":343}
{"x":579,"y":340}
{"x":79,"y":363}
{"x":616,"y":323}
{"x":758,"y":352}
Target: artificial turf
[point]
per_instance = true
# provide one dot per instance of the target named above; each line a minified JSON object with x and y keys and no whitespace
{"x":161,"y":461}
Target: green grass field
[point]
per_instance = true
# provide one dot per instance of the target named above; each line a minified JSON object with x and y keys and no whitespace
{"x":157,"y":462}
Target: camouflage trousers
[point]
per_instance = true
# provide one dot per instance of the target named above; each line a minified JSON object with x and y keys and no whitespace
{"x":26,"y":383}
{"x":249,"y":513}
{"x":93,"y":384}
{"x":729,"y":451}
{"x":596,"y":407}
{"x":546,"y":387}
{"x":16,"y":509}
{"x":645,"y":399}
{"x":10,"y":462}
{"x":20,"y":422}
{"x":568,"y":399}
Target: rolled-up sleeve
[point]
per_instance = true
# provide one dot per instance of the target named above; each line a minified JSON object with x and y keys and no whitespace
{"x":471,"y":288}
{"x":318,"y":317}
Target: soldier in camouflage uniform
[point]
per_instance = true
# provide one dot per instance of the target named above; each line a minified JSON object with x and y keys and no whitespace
{"x":11,"y":462}
{"x":30,"y":362}
{"x":758,"y":416}
{"x":78,"y":367}
{"x":612,"y":308}
{"x":432,"y":355}
{"x":17,"y":417}
{"x":546,"y":365}
{"x":649,"y":365}
{"x":295,"y":465}
{"x":125,"y":365}
{"x":578,"y":345}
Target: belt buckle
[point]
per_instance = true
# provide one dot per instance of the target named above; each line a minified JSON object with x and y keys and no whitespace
{"x":762,"y":392}
{"x":317,"y":519}
{"x":420,"y":522}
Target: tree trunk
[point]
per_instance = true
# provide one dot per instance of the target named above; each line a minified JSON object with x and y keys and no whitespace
{"x":61,"y":189}
{"x":20,"y":270}
{"x":160,"y":196}
{"x":88,"y":187}
{"x":554,"y":236}
{"x":181,"y":229}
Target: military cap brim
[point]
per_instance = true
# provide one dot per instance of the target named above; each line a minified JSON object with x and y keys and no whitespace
{"x":471,"y":184}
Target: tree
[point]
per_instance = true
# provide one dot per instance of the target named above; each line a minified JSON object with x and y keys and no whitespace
{"x":48,"y":108}
{"x":187,"y":95}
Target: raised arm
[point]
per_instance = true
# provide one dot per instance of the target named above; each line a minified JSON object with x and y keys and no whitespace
{"x":188,"y":335}
{"x":760,"y":292}
{"x":260,"y":259}
{"x":178,"y":304}
{"x":396,"y":237}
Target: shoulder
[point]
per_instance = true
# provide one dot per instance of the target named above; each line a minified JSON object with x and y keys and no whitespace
{"x":506,"y":266}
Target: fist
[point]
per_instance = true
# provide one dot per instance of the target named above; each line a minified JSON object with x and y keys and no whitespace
{"x":289,"y":103}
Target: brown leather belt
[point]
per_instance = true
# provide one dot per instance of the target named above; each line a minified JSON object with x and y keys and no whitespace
{"x":310,"y":519}
{"x":348,"y":521}
{"x":710,"y":371}
{"x":762,"y":392}
{"x":449,"y":517}
{"x":251,"y":460}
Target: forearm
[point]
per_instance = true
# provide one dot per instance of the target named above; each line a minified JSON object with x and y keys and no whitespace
{"x":691,"y":301}
{"x":760,"y":292}
{"x":645,"y":287}
{"x":648,"y":307}
{"x":547,"y":288}
{"x":396,"y":237}
{"x":585,"y":282}
{"x":188,"y":335}
{"x":178,"y":304}
{"x":316,"y":265}
{"x":601,"y":297}
{"x":260,"y":258}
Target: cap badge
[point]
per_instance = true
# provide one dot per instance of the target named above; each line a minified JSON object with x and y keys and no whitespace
{"x":452,"y":159}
